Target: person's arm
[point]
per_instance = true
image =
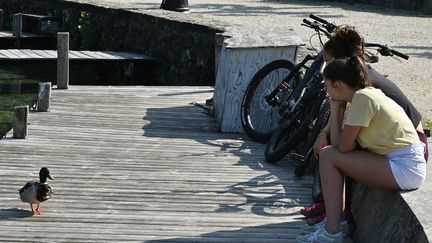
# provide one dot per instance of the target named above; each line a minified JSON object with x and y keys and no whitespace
{"x":344,"y":138}
{"x":347,"y":138}
{"x":336,"y":108}
{"x":322,"y":140}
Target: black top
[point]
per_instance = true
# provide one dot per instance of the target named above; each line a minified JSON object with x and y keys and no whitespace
{"x":392,"y":90}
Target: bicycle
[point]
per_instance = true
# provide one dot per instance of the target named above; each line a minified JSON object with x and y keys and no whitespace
{"x":311,"y":107}
{"x":267,"y":100}
{"x":298,"y":99}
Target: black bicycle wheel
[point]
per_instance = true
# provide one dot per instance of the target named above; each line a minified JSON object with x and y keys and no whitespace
{"x":292,"y":132}
{"x":302,"y":165}
{"x":307,"y":146}
{"x":258,"y":118}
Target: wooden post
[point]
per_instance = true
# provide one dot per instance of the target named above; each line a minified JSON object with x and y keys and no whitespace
{"x":17,"y":25}
{"x":62,"y":60}
{"x":20,"y":122}
{"x":44,"y":96}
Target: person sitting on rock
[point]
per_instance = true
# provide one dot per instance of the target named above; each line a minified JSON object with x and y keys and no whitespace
{"x":372,"y":139}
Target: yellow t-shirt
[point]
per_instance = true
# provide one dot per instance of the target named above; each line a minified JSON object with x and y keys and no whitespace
{"x":385,"y":126}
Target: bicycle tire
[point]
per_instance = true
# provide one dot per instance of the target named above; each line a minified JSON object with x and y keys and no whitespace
{"x":320,"y":123}
{"x":290,"y":133}
{"x":302,"y":165}
{"x":259,"y":119}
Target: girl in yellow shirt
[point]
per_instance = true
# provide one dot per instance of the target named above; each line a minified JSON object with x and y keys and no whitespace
{"x":391,"y":156}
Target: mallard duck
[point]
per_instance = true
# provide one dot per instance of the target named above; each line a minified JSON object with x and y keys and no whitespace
{"x":36,"y":192}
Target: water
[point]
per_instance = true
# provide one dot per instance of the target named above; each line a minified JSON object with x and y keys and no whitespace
{"x":17,"y":87}
{"x":23,"y":79}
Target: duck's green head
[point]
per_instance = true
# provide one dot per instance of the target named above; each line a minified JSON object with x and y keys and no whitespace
{"x":44,"y":173}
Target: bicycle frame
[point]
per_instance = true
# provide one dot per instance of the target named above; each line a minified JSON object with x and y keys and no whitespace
{"x":312,"y":76}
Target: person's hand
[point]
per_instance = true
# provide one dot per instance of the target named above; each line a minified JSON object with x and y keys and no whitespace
{"x":320,"y":142}
{"x":337,"y":104}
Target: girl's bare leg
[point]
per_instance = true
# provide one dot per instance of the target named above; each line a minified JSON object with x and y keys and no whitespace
{"x":363,"y":166}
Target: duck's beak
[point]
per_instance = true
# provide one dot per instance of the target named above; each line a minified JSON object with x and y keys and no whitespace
{"x":50,"y":177}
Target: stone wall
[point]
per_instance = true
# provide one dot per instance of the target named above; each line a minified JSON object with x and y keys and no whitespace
{"x":384,"y":216}
{"x":184,"y":47}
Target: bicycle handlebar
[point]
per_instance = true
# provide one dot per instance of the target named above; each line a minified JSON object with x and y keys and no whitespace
{"x":317,"y":27}
{"x":386,"y":51}
{"x":318,"y":19}
{"x":307,"y":22}
{"x":399,"y":54}
{"x":320,"y":24}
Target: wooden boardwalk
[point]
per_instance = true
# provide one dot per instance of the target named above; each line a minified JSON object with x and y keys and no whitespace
{"x":9,"y":34}
{"x":141,"y":164}
{"x":26,"y":54}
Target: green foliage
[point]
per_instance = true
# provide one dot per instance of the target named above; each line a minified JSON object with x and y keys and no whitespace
{"x":429,"y":123}
{"x":6,"y":122}
{"x":7,"y":104}
{"x":87,"y":35}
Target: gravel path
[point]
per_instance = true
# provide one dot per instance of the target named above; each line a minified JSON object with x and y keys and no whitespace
{"x":407,"y":31}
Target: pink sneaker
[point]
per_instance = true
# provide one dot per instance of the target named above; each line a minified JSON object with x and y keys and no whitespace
{"x":313,"y":210}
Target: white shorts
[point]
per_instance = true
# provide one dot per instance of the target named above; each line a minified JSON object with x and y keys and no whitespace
{"x":408,"y":166}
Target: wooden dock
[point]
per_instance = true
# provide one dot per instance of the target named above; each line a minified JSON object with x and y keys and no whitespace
{"x":9,"y":35}
{"x":27,"y":54}
{"x":142,"y":164}
{"x":26,"y":40}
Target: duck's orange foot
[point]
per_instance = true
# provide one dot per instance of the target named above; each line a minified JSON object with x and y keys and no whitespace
{"x":38,"y":212}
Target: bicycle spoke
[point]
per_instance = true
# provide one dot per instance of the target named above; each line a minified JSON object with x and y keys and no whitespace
{"x":260,"y":118}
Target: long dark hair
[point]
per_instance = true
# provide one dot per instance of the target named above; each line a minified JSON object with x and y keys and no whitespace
{"x":351,"y":71}
{"x":345,"y":42}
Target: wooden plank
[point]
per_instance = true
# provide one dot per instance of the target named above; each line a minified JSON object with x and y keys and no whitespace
{"x":44,"y":54}
{"x":2,"y":56}
{"x":19,"y":54}
{"x":6,"y":34}
{"x":108,"y":55}
{"x":82,"y":55}
{"x":73,"y":55}
{"x":9,"y":54}
{"x":95,"y":55}
{"x":51,"y":53}
{"x":32,"y":54}
{"x":127,"y":55}
{"x":85,"y":55}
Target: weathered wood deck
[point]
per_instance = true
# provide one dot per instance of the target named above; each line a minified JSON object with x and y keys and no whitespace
{"x":141,"y":164}
{"x":9,"y":34}
{"x":27,"y":54}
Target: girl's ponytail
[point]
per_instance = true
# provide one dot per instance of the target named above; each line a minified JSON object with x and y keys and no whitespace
{"x":359,"y":71}
{"x":351,"y":71}
{"x":345,"y":42}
